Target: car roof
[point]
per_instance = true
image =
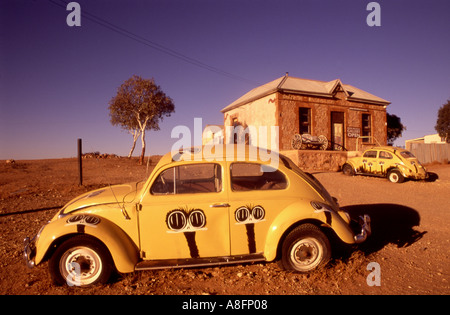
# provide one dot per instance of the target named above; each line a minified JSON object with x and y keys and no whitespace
{"x":220,"y":152}
{"x":387,"y":148}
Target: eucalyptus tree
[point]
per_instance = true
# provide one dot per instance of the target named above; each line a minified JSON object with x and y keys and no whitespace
{"x":139,"y":105}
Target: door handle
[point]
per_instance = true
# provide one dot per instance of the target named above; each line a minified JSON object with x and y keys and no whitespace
{"x":219,"y":205}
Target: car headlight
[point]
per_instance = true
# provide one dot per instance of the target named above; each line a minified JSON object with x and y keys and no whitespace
{"x":322,"y":207}
{"x":319,"y":206}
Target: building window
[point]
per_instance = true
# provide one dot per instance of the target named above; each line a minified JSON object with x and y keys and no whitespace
{"x":304,"y":115}
{"x":366,"y":127}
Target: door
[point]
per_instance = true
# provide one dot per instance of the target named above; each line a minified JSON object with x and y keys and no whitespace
{"x":337,"y":130}
{"x":370,"y":163}
{"x":384,"y":162}
{"x":185,"y":214}
{"x":254,"y":203}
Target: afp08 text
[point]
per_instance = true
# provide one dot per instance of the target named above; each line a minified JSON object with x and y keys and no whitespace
{"x":246,"y":305}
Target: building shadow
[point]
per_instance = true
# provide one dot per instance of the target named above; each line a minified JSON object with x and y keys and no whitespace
{"x":391,"y":224}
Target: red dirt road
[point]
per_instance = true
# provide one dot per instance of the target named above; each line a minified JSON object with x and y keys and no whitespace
{"x":410,"y":240}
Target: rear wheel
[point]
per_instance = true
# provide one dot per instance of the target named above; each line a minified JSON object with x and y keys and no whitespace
{"x":81,"y":261}
{"x":395,"y":176}
{"x":347,"y":169}
{"x":305,"y":248}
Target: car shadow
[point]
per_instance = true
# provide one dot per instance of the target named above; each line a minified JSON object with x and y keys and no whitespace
{"x":432,"y":177}
{"x":391,"y":224}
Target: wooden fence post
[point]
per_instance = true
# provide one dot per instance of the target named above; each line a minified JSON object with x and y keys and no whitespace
{"x":80,"y":166}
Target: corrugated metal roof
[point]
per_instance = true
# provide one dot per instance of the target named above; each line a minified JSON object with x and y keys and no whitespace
{"x":306,"y":87}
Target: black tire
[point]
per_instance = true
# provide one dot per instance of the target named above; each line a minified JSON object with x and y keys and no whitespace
{"x":395,"y":176}
{"x":81,"y":261}
{"x":305,"y":248}
{"x":347,"y":169}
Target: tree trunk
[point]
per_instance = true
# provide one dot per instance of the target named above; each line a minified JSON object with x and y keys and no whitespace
{"x":135,"y":135}
{"x":141,"y":158}
{"x":132,"y":149}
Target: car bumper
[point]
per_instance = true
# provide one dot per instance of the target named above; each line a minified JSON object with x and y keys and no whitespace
{"x":364,"y":229}
{"x":421,"y":176}
{"x":29,"y":251}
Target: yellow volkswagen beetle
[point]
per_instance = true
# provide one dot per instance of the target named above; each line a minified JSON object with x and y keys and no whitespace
{"x":198,"y":207}
{"x":394,"y":163}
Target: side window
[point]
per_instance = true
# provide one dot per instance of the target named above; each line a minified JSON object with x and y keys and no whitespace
{"x":370,"y":154}
{"x":385,"y":155}
{"x":164,"y":184}
{"x":252,"y":176}
{"x":189,"y":179}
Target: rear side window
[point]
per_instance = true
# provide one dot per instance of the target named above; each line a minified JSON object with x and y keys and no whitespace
{"x":385,"y":155}
{"x":253,"y":176}
{"x":189,"y":179}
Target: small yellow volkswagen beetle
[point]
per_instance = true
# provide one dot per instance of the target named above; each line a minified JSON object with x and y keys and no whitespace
{"x":199,"y":207}
{"x":394,"y":163}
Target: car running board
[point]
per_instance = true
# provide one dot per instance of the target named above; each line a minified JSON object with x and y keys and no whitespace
{"x":197,"y":262}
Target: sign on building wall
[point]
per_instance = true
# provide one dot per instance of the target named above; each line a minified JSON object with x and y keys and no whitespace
{"x":353,"y":132}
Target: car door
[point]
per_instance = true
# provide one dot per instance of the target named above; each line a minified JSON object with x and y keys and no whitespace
{"x":184,"y":214}
{"x":255,"y":201}
{"x":384,"y":162}
{"x":369,"y":162}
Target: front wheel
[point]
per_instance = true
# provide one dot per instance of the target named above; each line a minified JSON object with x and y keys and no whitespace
{"x":305,"y":248}
{"x":81,"y":261}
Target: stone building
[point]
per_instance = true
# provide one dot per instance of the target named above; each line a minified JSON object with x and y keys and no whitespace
{"x":348,"y":117}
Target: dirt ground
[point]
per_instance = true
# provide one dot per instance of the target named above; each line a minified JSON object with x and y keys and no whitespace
{"x":410,"y":240}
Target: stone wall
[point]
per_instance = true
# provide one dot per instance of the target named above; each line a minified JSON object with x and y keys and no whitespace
{"x":321,"y":109}
{"x":318,"y":160}
{"x":282,"y":109}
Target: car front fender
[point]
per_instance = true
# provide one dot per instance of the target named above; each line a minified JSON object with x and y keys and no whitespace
{"x":123,"y":250}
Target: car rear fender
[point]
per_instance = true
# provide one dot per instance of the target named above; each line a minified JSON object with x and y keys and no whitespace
{"x":124,"y":252}
{"x":352,"y":165}
{"x":303,"y":212}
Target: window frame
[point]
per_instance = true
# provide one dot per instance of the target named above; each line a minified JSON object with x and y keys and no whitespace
{"x":302,"y":112}
{"x":388,"y":155}
{"x":284,"y":184}
{"x":370,"y":157}
{"x":178,"y":182}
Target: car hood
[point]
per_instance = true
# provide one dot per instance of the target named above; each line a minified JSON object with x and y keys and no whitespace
{"x":120,"y":194}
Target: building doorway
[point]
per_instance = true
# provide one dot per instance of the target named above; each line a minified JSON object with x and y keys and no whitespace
{"x":337,"y":130}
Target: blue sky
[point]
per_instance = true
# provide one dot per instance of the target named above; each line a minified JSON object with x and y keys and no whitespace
{"x":56,"y":80}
